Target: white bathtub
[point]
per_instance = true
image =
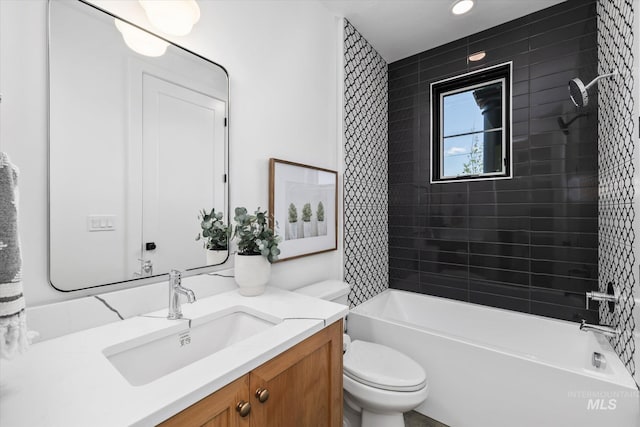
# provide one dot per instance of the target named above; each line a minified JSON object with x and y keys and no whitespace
{"x":488,"y":367}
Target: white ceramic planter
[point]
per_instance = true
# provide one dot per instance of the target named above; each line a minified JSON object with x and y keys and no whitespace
{"x":293,"y":230}
{"x":216,"y":257}
{"x":252,"y":273}
{"x":306,"y":228}
{"x":322,"y":228}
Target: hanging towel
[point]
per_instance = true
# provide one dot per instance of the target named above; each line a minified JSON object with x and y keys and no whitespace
{"x":14,"y":337}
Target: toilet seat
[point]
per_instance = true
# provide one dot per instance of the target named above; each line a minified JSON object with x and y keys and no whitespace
{"x":382,"y":367}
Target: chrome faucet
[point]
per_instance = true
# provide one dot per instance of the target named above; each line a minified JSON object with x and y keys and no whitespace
{"x":146,"y":268}
{"x":607,"y":331}
{"x":175,"y":290}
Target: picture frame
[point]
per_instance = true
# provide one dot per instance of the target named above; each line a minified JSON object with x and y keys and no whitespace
{"x":303,"y":201}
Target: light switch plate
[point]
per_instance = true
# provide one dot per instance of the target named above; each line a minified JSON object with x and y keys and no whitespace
{"x":101,"y":222}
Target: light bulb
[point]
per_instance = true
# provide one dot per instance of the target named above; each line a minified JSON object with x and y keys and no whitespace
{"x":477,"y":56}
{"x":175,"y":17}
{"x":140,"y":41}
{"x":462,"y":6}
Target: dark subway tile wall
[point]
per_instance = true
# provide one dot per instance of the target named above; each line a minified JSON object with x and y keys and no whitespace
{"x":529,"y":243}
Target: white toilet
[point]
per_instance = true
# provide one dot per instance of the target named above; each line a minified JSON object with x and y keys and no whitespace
{"x":380,"y":383}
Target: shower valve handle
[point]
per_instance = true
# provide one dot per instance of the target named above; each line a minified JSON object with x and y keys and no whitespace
{"x":611,"y":296}
{"x":599,"y":296}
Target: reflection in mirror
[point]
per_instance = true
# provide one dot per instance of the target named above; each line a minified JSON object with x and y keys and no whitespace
{"x":471,"y":125}
{"x":138,"y":147}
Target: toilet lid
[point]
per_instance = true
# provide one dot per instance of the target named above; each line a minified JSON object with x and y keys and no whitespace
{"x":382,"y":367}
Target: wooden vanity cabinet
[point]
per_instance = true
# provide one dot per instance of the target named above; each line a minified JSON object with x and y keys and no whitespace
{"x":304,"y":384}
{"x":301,"y":387}
{"x":216,"y":410}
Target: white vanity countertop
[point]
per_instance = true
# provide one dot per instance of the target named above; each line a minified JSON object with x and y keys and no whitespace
{"x":68,"y":381}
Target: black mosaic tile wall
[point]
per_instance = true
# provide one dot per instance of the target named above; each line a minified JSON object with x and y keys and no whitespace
{"x":616,"y":165}
{"x":529,"y":243}
{"x":366,"y":253}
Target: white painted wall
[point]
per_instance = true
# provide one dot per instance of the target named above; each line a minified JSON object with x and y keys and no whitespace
{"x":282,"y":58}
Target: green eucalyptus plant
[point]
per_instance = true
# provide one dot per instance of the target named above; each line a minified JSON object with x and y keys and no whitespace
{"x":254,"y":236}
{"x":320,"y":212}
{"x":306,"y":212}
{"x":214,"y":232}
{"x":293,"y":213}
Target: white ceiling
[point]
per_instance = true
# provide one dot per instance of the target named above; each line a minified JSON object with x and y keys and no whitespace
{"x":400,"y":28}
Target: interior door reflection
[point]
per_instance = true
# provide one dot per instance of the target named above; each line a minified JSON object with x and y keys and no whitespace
{"x":179,"y":170}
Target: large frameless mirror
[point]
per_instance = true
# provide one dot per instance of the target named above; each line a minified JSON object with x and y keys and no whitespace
{"x":138,"y":146}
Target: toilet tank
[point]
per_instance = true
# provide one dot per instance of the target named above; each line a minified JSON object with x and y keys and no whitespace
{"x":330,"y":290}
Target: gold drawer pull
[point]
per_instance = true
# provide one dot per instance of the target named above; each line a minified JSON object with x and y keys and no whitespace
{"x":243,"y":408}
{"x":262,"y":394}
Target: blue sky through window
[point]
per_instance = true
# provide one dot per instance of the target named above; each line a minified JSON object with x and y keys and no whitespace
{"x":457,"y":151}
{"x":461,"y":115}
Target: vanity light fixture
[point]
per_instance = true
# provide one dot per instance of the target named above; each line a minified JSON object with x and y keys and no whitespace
{"x":174,"y":17}
{"x":140,"y":41}
{"x":462,"y":6}
{"x":478,"y":56}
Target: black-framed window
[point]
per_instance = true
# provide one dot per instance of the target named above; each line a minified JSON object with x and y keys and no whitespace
{"x":471,"y":126}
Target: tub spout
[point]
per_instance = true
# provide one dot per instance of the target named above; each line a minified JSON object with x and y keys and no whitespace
{"x":607,"y":331}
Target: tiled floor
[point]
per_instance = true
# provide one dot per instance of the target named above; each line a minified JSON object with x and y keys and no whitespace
{"x":415,"y":419}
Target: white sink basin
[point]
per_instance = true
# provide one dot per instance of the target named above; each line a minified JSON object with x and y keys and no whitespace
{"x":149,"y":357}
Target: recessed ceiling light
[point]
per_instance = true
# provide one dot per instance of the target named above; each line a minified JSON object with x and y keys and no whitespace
{"x":462,"y":6}
{"x":477,"y":56}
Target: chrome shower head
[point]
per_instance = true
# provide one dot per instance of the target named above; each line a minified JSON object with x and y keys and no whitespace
{"x":579,"y":93}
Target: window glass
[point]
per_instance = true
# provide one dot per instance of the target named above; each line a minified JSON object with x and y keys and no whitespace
{"x":471,"y":126}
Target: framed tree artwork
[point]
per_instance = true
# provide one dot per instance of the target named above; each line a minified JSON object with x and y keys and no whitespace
{"x":304,"y":203}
